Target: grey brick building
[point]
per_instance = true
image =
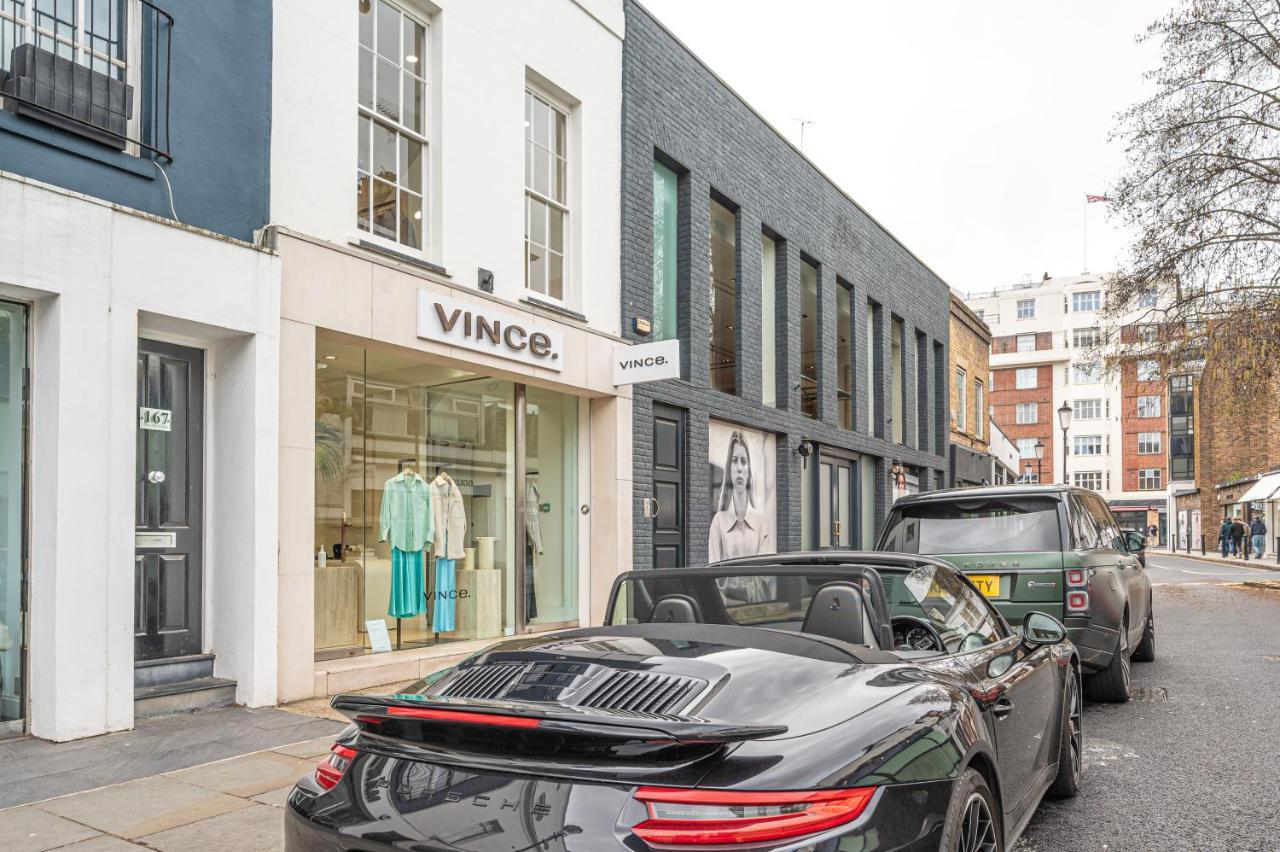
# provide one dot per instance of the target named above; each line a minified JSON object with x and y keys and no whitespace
{"x":876,"y":358}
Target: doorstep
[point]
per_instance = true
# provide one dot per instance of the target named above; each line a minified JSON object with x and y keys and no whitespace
{"x":348,"y":674}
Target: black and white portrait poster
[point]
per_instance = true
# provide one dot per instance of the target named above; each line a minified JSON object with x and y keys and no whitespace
{"x":743,"y":492}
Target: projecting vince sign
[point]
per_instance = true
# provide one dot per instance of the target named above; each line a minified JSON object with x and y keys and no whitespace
{"x":648,"y":362}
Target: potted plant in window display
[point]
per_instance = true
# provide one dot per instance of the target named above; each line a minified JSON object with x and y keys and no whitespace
{"x":338,"y":585}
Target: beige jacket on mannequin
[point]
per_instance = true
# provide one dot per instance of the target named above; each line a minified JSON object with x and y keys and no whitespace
{"x":450,"y":518}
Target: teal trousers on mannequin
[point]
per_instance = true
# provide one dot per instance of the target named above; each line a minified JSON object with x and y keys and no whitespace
{"x":408,"y":594}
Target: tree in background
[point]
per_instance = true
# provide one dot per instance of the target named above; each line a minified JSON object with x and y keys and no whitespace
{"x":1201,"y":190}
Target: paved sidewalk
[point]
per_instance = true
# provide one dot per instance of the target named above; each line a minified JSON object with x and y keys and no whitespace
{"x":1266,"y":563}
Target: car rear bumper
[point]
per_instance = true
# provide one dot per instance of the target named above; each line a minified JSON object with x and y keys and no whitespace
{"x":902,"y":818}
{"x":1096,"y":644}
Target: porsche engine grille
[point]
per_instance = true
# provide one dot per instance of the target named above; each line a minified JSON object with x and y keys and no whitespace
{"x":637,"y":693}
{"x":642,"y":692}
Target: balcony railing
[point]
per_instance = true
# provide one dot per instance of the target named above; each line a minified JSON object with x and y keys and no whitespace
{"x":98,"y":68}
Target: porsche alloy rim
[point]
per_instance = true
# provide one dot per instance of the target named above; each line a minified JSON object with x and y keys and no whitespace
{"x":977,"y":830}
{"x":1076,"y":728}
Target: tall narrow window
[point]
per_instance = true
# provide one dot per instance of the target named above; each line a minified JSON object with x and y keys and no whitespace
{"x":809,"y":340}
{"x":897,"y":381}
{"x":665,"y":193}
{"x":724,"y":298}
{"x":768,"y":320}
{"x":546,"y":191}
{"x":874,"y":370}
{"x":962,"y":403}
{"x":391,"y":162}
{"x":980,"y":409}
{"x":844,"y":355}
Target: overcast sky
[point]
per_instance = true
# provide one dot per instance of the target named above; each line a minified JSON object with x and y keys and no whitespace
{"x":971,"y":131}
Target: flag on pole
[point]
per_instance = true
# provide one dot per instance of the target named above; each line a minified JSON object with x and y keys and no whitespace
{"x":1093,"y":199}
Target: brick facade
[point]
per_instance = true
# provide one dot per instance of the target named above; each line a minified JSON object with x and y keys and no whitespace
{"x":1237,"y":439}
{"x":1005,"y":397}
{"x":971,"y":352}
{"x":1131,"y":425}
{"x":676,"y":109}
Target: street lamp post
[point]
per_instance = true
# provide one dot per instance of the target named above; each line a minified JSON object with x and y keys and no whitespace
{"x":1027,"y":476}
{"x":1039,"y":460}
{"x":1064,"y":420}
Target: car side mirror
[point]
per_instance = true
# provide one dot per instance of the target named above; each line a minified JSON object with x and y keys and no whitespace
{"x":1134,"y":541}
{"x":1040,"y":628}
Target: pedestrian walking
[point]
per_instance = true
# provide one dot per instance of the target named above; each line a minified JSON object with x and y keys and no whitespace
{"x":1153,"y":536}
{"x":1258,"y":529}
{"x":1237,"y":538}
{"x":1224,"y":537}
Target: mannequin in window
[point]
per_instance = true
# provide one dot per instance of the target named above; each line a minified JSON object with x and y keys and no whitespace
{"x":533,"y":543}
{"x":408,"y":523}
{"x":451,"y":536}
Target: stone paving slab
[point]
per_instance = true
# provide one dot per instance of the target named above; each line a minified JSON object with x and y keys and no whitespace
{"x":277,"y":798}
{"x":309,"y":749}
{"x":29,"y":829}
{"x":147,"y":806}
{"x":248,"y":775}
{"x":257,"y":827}
{"x":102,"y":843}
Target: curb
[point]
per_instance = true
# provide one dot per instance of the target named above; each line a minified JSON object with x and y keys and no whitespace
{"x":1240,"y":563}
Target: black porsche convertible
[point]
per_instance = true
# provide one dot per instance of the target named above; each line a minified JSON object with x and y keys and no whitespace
{"x":818,"y":702}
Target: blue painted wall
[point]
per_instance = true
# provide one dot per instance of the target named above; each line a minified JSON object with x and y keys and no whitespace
{"x":220,"y":125}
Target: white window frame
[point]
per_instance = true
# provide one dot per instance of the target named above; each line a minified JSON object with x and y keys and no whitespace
{"x":398,"y":127}
{"x":1082,"y":338}
{"x":557,"y":105}
{"x":1148,"y":371}
{"x":1021,"y":373}
{"x":1152,"y":441}
{"x":1147,"y":299}
{"x":82,"y":48}
{"x":1091,"y":479}
{"x":1030,"y":309}
{"x":962,"y":399}
{"x":979,"y":403}
{"x":1086,"y":445}
{"x":1094,"y":404}
{"x":1150,"y":478}
{"x":1029,"y":339}
{"x":1026,"y":413}
{"x":1026,"y":447}
{"x":1158,"y":407}
{"x":1086,"y":301}
{"x":1086,"y":373}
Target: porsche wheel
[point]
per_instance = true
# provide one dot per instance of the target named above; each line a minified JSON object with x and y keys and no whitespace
{"x":972,"y":825}
{"x":1070,"y":743}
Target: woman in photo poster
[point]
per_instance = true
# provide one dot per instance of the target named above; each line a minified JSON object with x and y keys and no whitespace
{"x":738,"y":527}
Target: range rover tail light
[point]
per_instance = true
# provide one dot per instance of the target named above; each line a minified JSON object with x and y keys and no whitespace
{"x":1077,"y":591}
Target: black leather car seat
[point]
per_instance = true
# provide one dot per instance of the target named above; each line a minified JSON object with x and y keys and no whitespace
{"x":837,"y":611}
{"x":679,"y":609}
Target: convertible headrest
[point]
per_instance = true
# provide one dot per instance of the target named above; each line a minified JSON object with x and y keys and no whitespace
{"x":680,"y":609}
{"x":837,"y":612}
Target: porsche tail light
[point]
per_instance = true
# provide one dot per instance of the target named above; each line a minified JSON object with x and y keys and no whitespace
{"x":1077,"y":591}
{"x":680,"y":816}
{"x":329,"y":771}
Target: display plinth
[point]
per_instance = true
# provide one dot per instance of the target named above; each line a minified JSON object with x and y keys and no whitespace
{"x":479,"y":612}
{"x":484,"y":552}
{"x":336,"y":600}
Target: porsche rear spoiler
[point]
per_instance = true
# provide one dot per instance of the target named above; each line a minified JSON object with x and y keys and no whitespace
{"x":372,"y":711}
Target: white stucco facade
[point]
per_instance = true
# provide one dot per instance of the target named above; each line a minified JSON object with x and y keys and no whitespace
{"x":340,"y":287}
{"x":96,"y":278}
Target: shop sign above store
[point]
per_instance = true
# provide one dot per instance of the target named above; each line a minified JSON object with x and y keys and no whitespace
{"x":646,"y":362}
{"x":481,"y":329}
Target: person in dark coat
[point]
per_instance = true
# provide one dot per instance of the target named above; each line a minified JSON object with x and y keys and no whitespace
{"x":1237,"y":537}
{"x":1258,"y":530}
{"x":1224,"y":537}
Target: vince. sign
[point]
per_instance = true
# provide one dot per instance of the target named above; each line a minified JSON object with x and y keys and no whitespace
{"x":484,"y":330}
{"x":646,"y":362}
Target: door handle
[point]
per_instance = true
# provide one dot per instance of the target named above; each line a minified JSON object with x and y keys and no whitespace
{"x":837,"y":528}
{"x":651,"y":507}
{"x":1002,"y":708}
{"x":155,"y":477}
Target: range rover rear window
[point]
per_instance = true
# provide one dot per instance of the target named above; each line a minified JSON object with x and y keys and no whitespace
{"x":988,"y":525}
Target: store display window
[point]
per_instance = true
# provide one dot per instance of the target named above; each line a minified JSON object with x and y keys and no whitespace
{"x":417,"y":521}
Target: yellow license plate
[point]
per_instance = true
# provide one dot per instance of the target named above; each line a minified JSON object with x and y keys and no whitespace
{"x":988,"y":584}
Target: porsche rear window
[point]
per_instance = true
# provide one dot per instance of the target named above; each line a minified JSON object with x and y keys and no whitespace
{"x":988,"y":525}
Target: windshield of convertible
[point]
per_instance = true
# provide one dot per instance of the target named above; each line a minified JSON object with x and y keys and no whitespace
{"x":926,"y":609}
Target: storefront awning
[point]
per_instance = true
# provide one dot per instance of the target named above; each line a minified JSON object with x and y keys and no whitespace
{"x":1263,"y":489}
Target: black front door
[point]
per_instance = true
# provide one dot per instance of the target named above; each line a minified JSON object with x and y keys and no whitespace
{"x":667,"y":506}
{"x":170,"y":500}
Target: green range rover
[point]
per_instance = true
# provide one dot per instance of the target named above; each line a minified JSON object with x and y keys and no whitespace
{"x":1051,"y":548}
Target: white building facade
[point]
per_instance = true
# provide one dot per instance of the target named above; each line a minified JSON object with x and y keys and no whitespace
{"x":448,"y":326}
{"x":1046,"y":351}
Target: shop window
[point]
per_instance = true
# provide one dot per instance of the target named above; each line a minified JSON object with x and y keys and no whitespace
{"x":809,"y":340}
{"x":13,"y":366}
{"x":666,"y":185}
{"x":391,"y":164}
{"x":394,"y":436}
{"x":724,"y":298}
